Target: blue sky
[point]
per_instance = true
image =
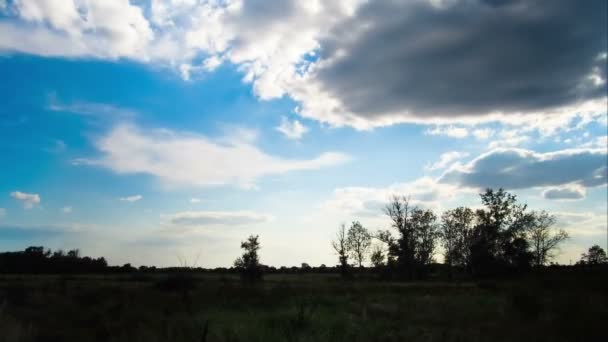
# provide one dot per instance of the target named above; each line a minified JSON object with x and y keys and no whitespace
{"x":148,"y":131}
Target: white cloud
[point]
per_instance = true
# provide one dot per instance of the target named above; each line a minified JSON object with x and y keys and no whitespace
{"x":2,"y":212}
{"x":28,"y":200}
{"x":181,"y":158}
{"x":582,"y":223}
{"x":482,"y":133}
{"x":450,"y":131}
{"x":67,"y":210}
{"x":104,"y":29}
{"x":216,"y":218}
{"x":508,"y":138}
{"x":292,"y":129}
{"x":131,"y":199}
{"x":369,"y":201}
{"x":275,"y":45}
{"x":446,"y":159}
{"x":195,"y":200}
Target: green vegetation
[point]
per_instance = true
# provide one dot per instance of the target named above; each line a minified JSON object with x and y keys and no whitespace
{"x":556,"y":306}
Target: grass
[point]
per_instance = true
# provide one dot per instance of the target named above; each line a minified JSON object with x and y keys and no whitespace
{"x":311,"y":307}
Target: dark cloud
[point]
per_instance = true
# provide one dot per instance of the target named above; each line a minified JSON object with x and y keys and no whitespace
{"x":564,"y":193}
{"x":466,"y":57}
{"x":517,"y":169}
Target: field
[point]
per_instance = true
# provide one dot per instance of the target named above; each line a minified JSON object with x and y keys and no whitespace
{"x":299,"y":307}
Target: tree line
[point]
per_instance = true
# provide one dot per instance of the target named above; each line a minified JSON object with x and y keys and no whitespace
{"x":502,"y":237}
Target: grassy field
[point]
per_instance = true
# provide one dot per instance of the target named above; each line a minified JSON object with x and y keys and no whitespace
{"x":212,"y":307}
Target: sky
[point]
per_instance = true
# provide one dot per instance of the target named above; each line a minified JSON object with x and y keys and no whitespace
{"x":164,"y":132}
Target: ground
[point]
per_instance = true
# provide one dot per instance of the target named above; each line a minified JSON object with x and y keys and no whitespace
{"x":299,"y":307}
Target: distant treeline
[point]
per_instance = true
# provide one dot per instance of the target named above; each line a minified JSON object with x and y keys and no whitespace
{"x":501,"y":238}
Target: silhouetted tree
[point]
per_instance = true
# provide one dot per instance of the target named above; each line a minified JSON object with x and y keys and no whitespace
{"x":457,"y":236}
{"x":415,"y":246}
{"x":543,"y":240}
{"x":377,"y":257}
{"x":594,"y":256}
{"x":340,"y":246}
{"x":425,"y":235}
{"x":403,"y":249}
{"x":499,"y":240}
{"x":249,"y":262}
{"x":358,"y":241}
{"x":387,"y":238}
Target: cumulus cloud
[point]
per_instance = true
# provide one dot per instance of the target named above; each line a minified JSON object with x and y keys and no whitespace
{"x":105,"y":29}
{"x":28,"y":200}
{"x":66,"y":210}
{"x":217,"y":218}
{"x":369,"y":201}
{"x":292,"y":129}
{"x":572,"y":192}
{"x":131,"y":199}
{"x":415,"y":61}
{"x":514,"y":168}
{"x":446,"y":159}
{"x":356,"y":63}
{"x":181,"y":158}
{"x":195,"y":200}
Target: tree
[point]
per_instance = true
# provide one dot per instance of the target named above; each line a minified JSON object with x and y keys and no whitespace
{"x":358,"y":241}
{"x":377,"y":257}
{"x":415,"y":246}
{"x":457,"y":236}
{"x":499,"y":238}
{"x":595,"y":255}
{"x":403,"y":248}
{"x":340,"y":246}
{"x":425,"y":235}
{"x":249,"y":262}
{"x":543,"y":240}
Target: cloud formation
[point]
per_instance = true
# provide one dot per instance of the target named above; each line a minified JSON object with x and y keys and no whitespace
{"x":28,"y":200}
{"x":131,"y":199}
{"x":513,"y":168}
{"x":215,"y":218}
{"x":292,"y":129}
{"x":181,"y":158}
{"x":370,"y":201}
{"x":565,"y":193}
{"x":446,"y":159}
{"x":416,"y":60}
{"x":356,"y":63}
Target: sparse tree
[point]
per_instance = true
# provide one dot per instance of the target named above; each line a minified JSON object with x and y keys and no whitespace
{"x":340,"y":246}
{"x":595,"y":255}
{"x":358,"y":241}
{"x":543,"y":240}
{"x":249,"y":262}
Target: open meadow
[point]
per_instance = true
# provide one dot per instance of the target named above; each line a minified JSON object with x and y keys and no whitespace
{"x":300,"y":307}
